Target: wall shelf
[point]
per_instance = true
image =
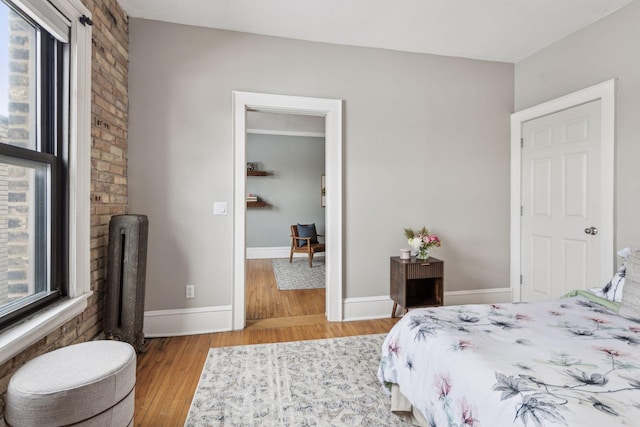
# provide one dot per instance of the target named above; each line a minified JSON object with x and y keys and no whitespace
{"x":258,"y":204}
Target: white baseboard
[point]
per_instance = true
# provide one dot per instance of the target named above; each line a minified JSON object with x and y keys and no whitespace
{"x":263,"y":253}
{"x":274,"y":252}
{"x":478,"y":296}
{"x":188,"y":321}
{"x":205,"y":320}
{"x":366,"y":308}
{"x":380,"y":306}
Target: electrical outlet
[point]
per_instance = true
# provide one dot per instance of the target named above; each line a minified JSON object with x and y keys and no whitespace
{"x":190,"y":291}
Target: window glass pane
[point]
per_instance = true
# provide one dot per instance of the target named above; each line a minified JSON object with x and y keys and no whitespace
{"x":18,"y":98}
{"x":32,"y":174}
{"x":24,"y":230}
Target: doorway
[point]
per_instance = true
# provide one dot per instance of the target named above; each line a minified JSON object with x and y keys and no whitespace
{"x":331,"y":110}
{"x":528,"y":254}
{"x":286,"y":158}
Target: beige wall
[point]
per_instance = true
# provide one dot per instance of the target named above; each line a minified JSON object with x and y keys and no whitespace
{"x":605,"y":50}
{"x":426,"y":142}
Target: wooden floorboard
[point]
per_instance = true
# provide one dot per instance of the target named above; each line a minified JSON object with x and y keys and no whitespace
{"x":169,"y":371}
{"x":276,"y":322}
{"x":265,"y":301}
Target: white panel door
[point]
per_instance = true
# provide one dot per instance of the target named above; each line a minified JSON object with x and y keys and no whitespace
{"x":560,"y":244}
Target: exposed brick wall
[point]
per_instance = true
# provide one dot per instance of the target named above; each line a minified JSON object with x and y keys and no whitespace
{"x":109,"y":133}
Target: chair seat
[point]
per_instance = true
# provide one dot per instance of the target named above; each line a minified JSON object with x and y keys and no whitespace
{"x":90,"y":384}
{"x":307,"y":247}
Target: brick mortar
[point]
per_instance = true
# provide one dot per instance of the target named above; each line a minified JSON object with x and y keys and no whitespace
{"x":109,"y":191}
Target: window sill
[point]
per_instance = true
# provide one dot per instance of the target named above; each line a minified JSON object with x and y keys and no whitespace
{"x":21,"y":336}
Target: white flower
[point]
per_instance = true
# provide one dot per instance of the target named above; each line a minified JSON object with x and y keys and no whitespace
{"x":416,"y":242}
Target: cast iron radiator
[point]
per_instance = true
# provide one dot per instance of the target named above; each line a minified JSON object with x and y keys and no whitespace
{"x":126,"y":273}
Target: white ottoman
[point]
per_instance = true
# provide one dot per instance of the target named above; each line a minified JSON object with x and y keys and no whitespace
{"x":88,"y":384}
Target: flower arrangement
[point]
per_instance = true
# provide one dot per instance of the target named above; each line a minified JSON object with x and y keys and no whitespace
{"x":422,"y":241}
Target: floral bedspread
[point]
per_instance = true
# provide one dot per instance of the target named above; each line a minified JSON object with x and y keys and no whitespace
{"x":565,"y":362}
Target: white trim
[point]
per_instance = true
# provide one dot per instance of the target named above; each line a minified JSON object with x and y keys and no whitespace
{"x":188,"y":321}
{"x":24,"y":334}
{"x":276,"y":252}
{"x":19,"y":337}
{"x":265,"y":252}
{"x":206,"y":320}
{"x":605,"y":92}
{"x":286,"y":133}
{"x":379,"y":307}
{"x":365,"y":308}
{"x":79,"y":151}
{"x":478,"y":296}
{"x":331,"y":109}
{"x":47,"y":16}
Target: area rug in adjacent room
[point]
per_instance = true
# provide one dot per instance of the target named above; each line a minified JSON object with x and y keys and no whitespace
{"x":298,"y":274}
{"x":328,"y":382}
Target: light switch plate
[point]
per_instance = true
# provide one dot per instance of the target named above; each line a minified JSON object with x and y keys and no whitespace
{"x":219,"y":208}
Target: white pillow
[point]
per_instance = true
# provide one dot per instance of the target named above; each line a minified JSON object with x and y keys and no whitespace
{"x":613,"y":289}
{"x":630,"y":305}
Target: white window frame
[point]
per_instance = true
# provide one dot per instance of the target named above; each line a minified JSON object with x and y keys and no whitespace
{"x":29,"y":331}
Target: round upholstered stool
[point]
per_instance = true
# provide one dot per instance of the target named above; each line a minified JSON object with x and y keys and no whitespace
{"x":88,"y":384}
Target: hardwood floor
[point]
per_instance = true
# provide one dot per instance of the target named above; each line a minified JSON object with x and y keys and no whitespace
{"x":168,"y":372}
{"x":265,"y":301}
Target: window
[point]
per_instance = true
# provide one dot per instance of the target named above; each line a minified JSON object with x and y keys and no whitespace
{"x":33,"y":213}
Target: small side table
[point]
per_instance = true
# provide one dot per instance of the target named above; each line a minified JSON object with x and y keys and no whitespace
{"x":416,"y":283}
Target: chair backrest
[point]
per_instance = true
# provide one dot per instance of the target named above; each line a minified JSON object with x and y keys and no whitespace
{"x":301,"y":242}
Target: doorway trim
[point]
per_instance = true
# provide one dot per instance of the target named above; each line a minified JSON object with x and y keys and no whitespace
{"x":331,"y":110}
{"x":605,"y":92}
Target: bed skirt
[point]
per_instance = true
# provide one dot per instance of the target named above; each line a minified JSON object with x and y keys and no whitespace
{"x":401,"y":406}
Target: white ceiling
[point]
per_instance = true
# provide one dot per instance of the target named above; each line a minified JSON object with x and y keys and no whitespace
{"x":496,"y":30}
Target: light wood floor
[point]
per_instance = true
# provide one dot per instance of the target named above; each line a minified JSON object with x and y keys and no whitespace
{"x":168,"y":372}
{"x":265,"y":301}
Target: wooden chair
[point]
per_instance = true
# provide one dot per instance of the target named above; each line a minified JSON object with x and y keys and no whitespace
{"x":309,"y":248}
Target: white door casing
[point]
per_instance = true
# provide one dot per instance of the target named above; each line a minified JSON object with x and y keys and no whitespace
{"x":604,"y":93}
{"x":331,"y":110}
{"x":560,"y":201}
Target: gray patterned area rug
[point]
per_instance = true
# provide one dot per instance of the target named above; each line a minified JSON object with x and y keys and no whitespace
{"x":297,"y":274}
{"x":329,"y":382}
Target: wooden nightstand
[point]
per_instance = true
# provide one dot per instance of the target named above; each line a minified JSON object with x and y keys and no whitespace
{"x":416,"y":283}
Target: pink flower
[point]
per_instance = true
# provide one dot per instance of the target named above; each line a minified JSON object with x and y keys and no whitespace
{"x":394,"y":348}
{"x":443,"y":385}
{"x":422,"y":238}
{"x":610,"y":351}
{"x":464,"y":344}
{"x":467,"y":414}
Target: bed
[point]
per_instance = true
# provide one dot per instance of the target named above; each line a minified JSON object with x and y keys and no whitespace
{"x":574,"y":361}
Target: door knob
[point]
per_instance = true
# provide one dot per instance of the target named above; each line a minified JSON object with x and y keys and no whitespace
{"x":591,"y":230}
